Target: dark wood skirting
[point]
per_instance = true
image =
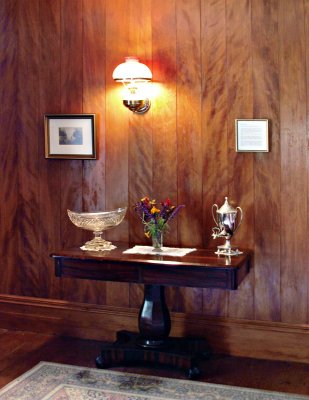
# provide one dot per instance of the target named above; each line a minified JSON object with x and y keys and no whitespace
{"x":258,"y":339}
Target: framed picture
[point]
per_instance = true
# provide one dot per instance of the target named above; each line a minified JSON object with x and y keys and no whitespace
{"x":252,"y":135}
{"x":71,"y":136}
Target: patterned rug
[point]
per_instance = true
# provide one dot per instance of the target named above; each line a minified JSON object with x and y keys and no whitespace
{"x":50,"y":381}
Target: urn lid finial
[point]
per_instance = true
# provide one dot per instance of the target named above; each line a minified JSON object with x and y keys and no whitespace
{"x":227,"y":208}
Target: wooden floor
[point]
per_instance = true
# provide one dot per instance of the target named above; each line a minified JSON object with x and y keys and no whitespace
{"x":19,"y":351}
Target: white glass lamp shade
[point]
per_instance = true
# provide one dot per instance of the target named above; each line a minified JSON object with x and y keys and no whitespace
{"x":132,"y":70}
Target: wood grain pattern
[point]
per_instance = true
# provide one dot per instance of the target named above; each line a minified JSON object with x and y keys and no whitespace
{"x":306,"y":4}
{"x":117,"y":118}
{"x":8,"y":119}
{"x":49,"y":170}
{"x":94,"y":44}
{"x":266,"y":185}
{"x":164,"y":116}
{"x":71,"y":103}
{"x":28,"y":122}
{"x":189,"y":129}
{"x":246,"y":338}
{"x":214,"y":131}
{"x":240,"y":105}
{"x":189,"y":135}
{"x":71,"y":183}
{"x":293,"y":169}
{"x":164,"y":107}
{"x":117,"y":143}
{"x":213,"y":61}
{"x":140,"y":126}
{"x":140,"y":130}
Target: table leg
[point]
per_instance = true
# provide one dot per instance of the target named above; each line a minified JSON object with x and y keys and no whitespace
{"x":154,"y":319}
{"x":153,"y":345}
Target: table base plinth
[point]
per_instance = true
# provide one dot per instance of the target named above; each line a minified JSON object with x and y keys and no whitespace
{"x":180,"y":353}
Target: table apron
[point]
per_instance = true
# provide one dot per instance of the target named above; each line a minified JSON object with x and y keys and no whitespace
{"x":225,"y":278}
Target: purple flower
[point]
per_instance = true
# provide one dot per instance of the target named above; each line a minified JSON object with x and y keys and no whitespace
{"x":156,"y":219}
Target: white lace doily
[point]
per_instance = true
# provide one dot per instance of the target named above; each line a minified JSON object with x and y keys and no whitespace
{"x":166,"y":251}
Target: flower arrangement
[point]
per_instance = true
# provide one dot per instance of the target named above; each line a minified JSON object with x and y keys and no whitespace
{"x":156,"y":219}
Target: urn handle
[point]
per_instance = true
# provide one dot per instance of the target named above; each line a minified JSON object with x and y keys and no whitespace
{"x":240,"y":220}
{"x":214,"y":206}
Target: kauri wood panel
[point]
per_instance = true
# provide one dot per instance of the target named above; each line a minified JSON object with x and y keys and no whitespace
{"x":94,"y":103}
{"x":28,"y":122}
{"x":140,"y":132}
{"x":94,"y":43}
{"x":265,"y":58}
{"x":307,"y":100}
{"x":164,"y":69}
{"x":49,"y":170}
{"x":214,"y":131}
{"x":239,"y":102}
{"x":212,"y":61}
{"x":8,"y":171}
{"x":189,"y":135}
{"x":117,"y":137}
{"x":164,"y":107}
{"x":294,"y":154}
{"x":71,"y":180}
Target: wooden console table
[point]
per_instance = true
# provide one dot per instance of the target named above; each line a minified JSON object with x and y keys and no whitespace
{"x":200,"y":268}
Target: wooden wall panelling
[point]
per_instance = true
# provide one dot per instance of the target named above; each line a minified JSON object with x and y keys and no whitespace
{"x":294,"y":163}
{"x":189,"y":135}
{"x":94,"y":56}
{"x":239,"y":337}
{"x":164,"y":107}
{"x":164,"y":117}
{"x":240,"y":105}
{"x":52,"y":80}
{"x":188,"y":121}
{"x":49,"y":170}
{"x":8,"y":145}
{"x":214,"y":132}
{"x":266,"y":184}
{"x":140,"y":131}
{"x":71,"y":103}
{"x":140,"y":126}
{"x":306,"y":16}
{"x":117,"y":135}
{"x":117,"y":116}
{"x":28,"y":123}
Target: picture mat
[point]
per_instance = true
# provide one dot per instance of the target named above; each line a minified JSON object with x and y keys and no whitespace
{"x":73,"y":149}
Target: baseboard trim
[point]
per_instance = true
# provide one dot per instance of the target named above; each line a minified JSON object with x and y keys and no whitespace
{"x":246,"y":338}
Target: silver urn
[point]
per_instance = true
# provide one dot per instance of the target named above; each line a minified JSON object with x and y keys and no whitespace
{"x":227,"y":220}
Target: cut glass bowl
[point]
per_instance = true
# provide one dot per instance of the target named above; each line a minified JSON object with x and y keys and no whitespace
{"x":97,"y":222}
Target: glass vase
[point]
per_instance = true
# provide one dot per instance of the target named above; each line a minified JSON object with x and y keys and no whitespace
{"x":157,"y":241}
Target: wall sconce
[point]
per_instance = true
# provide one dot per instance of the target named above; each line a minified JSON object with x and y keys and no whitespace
{"x":135,"y":77}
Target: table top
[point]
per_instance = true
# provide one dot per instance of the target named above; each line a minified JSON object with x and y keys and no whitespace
{"x":199,"y":268}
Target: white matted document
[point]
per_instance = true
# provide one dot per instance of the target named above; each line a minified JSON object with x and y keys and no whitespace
{"x":251,"y":135}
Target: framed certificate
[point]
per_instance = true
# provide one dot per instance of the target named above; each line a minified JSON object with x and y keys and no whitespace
{"x":252,"y":135}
